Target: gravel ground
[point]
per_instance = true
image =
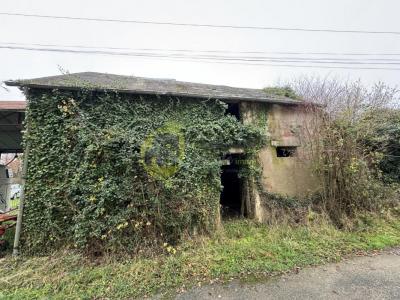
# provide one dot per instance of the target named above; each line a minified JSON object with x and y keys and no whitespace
{"x":375,"y":276}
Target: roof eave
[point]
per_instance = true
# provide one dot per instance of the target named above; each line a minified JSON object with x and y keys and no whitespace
{"x":21,"y":110}
{"x":228,"y":98}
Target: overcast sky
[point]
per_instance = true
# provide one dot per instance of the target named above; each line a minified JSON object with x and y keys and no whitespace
{"x":370,"y":15}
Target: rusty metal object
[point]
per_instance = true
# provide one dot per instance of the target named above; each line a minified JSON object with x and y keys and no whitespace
{"x":11,"y":221}
{"x":7,"y":217}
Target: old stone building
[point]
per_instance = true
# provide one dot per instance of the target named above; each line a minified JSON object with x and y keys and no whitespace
{"x":284,"y":161}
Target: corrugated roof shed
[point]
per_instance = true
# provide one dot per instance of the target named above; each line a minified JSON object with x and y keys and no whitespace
{"x":142,"y":85}
{"x":12,"y":105}
{"x":11,"y":118}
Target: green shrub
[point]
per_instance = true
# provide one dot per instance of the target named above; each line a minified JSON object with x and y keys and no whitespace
{"x":6,"y":242}
{"x":285,"y":91}
{"x":382,"y":136}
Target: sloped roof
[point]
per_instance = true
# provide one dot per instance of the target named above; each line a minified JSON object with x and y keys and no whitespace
{"x":142,"y":85}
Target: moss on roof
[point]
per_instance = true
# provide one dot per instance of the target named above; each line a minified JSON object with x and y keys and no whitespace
{"x":285,"y":91}
{"x":142,"y":85}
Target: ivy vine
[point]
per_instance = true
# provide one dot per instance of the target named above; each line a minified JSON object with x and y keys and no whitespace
{"x":87,"y":186}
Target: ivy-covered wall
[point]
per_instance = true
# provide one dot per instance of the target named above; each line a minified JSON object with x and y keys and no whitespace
{"x":109,"y":172}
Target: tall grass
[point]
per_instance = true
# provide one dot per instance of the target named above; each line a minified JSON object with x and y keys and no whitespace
{"x":239,"y":249}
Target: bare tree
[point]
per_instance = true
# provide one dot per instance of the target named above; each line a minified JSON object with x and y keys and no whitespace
{"x":347,"y":169}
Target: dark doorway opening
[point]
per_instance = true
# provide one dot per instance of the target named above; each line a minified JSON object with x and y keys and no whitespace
{"x":231,"y":195}
{"x":233,"y":109}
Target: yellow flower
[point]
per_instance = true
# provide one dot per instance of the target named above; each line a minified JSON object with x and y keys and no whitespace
{"x":171,"y":250}
{"x":122,"y":225}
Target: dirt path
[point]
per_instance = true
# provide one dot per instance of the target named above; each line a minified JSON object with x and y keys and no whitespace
{"x":369,"y":277}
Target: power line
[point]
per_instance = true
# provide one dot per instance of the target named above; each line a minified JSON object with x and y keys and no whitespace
{"x":323,"y":60}
{"x":223,"y":60}
{"x":196,"y":54}
{"x":206,"y":51}
{"x":204,"y":25}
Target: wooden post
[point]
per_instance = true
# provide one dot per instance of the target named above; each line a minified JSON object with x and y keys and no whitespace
{"x":21,"y":202}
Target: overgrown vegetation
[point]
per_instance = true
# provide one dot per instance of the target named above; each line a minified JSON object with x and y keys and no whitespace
{"x":241,"y":248}
{"x":110,"y":172}
{"x":285,"y":91}
{"x":352,"y":141}
{"x":104,"y":176}
{"x":382,"y":137}
{"x":6,"y":242}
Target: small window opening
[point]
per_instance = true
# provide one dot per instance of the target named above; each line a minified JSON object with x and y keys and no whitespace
{"x":286,"y":151}
{"x":233,"y":109}
{"x":231,"y":194}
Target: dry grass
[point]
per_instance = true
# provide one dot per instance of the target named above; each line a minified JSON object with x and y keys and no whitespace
{"x":241,"y":249}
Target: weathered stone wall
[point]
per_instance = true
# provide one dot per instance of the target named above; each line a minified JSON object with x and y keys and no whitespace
{"x":285,"y":125}
{"x":290,"y":176}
